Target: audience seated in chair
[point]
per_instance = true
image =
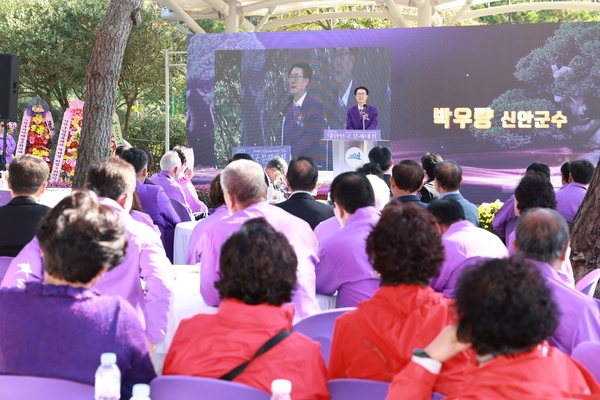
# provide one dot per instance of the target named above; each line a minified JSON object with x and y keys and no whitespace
{"x":170,"y":171}
{"x":59,"y":327}
{"x":376,"y":340}
{"x":428,"y":191}
{"x":185,"y":181}
{"x":407,"y":180}
{"x":245,"y":190}
{"x":570,"y":197}
{"x":302,"y":176}
{"x":506,"y":313}
{"x":461,"y":241}
{"x":448,"y":178}
{"x":258,"y":275}
{"x":218,"y":213}
{"x":343,"y":262}
{"x":114,"y":180}
{"x":19,"y":219}
{"x":382,"y":155}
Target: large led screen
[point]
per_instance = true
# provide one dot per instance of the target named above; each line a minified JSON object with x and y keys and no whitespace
{"x":492,"y":98}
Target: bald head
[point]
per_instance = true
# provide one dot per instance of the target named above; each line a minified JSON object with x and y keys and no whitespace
{"x":448,"y":175}
{"x":542,"y":234}
{"x":302,"y":174}
{"x":245,"y":181}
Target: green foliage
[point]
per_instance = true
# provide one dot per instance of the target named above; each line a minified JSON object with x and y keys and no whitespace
{"x":337,"y":24}
{"x":533,"y":17}
{"x":227,"y":99}
{"x":516,"y":100}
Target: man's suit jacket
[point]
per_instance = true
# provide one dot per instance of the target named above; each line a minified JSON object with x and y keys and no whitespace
{"x":471,"y":212}
{"x":19,"y":222}
{"x":354,"y":119}
{"x":305,"y":131}
{"x":304,"y":206}
{"x":410,"y":198}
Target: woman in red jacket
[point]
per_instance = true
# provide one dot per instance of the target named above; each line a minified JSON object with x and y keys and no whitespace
{"x":506,"y":314}
{"x":376,"y":340}
{"x":258,"y":275}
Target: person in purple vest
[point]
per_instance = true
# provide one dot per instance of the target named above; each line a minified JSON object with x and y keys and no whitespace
{"x":570,"y":197}
{"x":461,"y":241}
{"x":113,"y":179}
{"x":343,"y":261}
{"x":58,"y":328}
{"x":542,"y":237}
{"x":153,"y":199}
{"x":171,"y":169}
{"x":245,"y":193}
{"x":362,"y":116}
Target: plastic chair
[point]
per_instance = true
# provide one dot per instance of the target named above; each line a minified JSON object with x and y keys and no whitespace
{"x":319,"y":327}
{"x":18,"y":387}
{"x":4,"y":263}
{"x":180,"y":209}
{"x":587,"y":285}
{"x":359,"y":389}
{"x":195,"y":388}
{"x":587,"y":354}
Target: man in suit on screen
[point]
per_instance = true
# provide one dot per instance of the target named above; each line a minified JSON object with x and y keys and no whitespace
{"x":303,"y":125}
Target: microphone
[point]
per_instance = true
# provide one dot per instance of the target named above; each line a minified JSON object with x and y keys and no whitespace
{"x":287,"y":105}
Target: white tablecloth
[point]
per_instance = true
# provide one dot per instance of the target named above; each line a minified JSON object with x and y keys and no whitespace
{"x":183,"y":232}
{"x":50,"y":198}
{"x":188,"y":302}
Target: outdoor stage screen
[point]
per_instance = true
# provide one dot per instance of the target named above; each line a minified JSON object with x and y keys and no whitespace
{"x":492,"y":98}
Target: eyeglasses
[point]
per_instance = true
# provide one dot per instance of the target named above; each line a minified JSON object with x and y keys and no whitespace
{"x":295,"y":77}
{"x":361,"y":94}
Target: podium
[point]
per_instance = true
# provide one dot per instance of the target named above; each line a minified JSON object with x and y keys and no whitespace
{"x":350,"y":148}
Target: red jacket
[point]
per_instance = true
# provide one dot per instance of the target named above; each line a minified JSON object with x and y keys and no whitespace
{"x":542,"y":373}
{"x":212,"y":345}
{"x":376,"y":340}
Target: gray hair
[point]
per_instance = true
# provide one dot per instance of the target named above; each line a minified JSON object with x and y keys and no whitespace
{"x":245,"y":180}
{"x":170,"y":161}
{"x":381,"y":190}
{"x":542,"y":234}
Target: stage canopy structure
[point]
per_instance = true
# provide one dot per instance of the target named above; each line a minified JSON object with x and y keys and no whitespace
{"x":265,"y":15}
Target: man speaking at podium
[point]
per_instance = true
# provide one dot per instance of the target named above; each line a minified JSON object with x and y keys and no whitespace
{"x":362,"y":116}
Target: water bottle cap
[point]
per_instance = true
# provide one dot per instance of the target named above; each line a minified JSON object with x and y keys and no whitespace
{"x":281,"y":386}
{"x":141,"y":390}
{"x":108,"y":358}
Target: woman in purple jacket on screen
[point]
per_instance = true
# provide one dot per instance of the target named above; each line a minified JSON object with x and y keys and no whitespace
{"x":58,"y":328}
{"x":362,"y":116}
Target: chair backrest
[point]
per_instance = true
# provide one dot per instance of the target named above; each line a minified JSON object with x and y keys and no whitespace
{"x":4,"y":263}
{"x":587,"y":354}
{"x":14,"y":387}
{"x":319,"y":327}
{"x":180,"y":209}
{"x":195,"y":388}
{"x":587,"y":285}
{"x":359,"y":389}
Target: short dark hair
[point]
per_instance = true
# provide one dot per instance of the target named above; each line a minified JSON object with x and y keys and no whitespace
{"x":363,"y":88}
{"x":240,"y":156}
{"x":504,"y":307}
{"x":582,"y":171}
{"x":408,"y":175}
{"x":120,"y":149}
{"x":352,"y":190}
{"x":448,"y":174}
{"x":277,"y":163}
{"x":381,"y":155}
{"x":564,"y":171}
{"x":180,"y":152}
{"x":371,"y":168}
{"x":150,"y":158}
{"x":111,"y":177}
{"x":216,"y":195}
{"x":429,"y":161}
{"x":539,"y":167}
{"x":405,"y":246}
{"x":136,"y":157}
{"x":446,"y":211}
{"x":534,"y":190}
{"x":302,"y":174}
{"x":27,"y":174}
{"x":541,"y":234}
{"x":307,"y":70}
{"x":80,"y":237}
{"x":257,"y":265}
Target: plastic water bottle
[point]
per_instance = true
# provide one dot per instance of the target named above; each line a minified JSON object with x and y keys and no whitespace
{"x":281,"y":389}
{"x":108,"y":378}
{"x":140,"y":391}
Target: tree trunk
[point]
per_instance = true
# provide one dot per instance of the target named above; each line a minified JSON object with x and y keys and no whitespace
{"x":102,"y":79}
{"x":585,"y":232}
